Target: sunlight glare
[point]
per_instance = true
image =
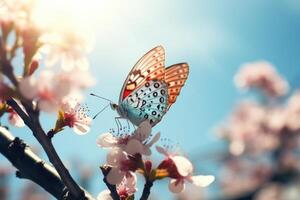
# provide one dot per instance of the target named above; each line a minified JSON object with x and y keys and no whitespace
{"x":69,"y":15}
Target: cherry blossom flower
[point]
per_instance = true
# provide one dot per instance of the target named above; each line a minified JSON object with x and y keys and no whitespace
{"x":12,"y":9}
{"x":14,"y":119}
{"x":261,"y":75}
{"x":78,"y":79}
{"x":271,"y":191}
{"x":16,"y":12}
{"x":66,"y":49}
{"x":192,"y":192}
{"x":121,"y":166}
{"x":263,"y":137}
{"x":249,"y":129}
{"x":180,"y":170}
{"x":128,"y":186}
{"x":125,"y":189}
{"x":138,"y":142}
{"x":104,"y":195}
{"x":64,"y":44}
{"x":46,"y":90}
{"x":293,"y":112}
{"x":2,"y":6}
{"x":74,"y":116}
{"x":50,"y":89}
{"x":241,"y":175}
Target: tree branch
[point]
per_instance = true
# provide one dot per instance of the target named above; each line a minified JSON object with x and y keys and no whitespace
{"x":146,"y":190}
{"x":7,"y":69}
{"x":32,"y":121}
{"x":112,"y":188}
{"x":31,"y":167}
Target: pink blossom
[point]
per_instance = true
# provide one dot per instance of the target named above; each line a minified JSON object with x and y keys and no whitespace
{"x":46,"y":90}
{"x":75,"y":116}
{"x":128,"y":186}
{"x":121,"y":166}
{"x":250,"y":128}
{"x":104,"y":195}
{"x":67,"y":49}
{"x":293,"y":112}
{"x":16,"y":12}
{"x":50,"y":89}
{"x":270,"y":191}
{"x":14,"y":119}
{"x":12,"y":9}
{"x":138,"y":142}
{"x":241,"y":175}
{"x":180,"y":170}
{"x":125,"y":189}
{"x":261,"y":75}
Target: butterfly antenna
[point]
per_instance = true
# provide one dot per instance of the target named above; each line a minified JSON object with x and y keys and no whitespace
{"x":100,"y":111}
{"x":95,"y":95}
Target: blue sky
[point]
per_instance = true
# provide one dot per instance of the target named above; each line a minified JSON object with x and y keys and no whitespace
{"x":215,"y":37}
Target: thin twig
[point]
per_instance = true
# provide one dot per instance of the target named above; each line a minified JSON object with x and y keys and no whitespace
{"x":112,"y":188}
{"x":146,"y":190}
{"x":7,"y":69}
{"x":32,"y":121}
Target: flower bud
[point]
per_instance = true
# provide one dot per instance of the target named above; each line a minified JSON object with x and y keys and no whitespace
{"x":33,"y":67}
{"x":148,"y":166}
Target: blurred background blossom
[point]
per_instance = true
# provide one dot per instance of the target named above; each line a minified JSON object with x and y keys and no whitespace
{"x":263,"y":138}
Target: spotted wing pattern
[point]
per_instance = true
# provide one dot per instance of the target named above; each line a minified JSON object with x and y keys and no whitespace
{"x":175,"y":77}
{"x":149,"y":67}
{"x":149,"y":102}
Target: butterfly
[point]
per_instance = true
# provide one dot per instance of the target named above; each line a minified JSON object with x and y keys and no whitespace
{"x":150,"y":89}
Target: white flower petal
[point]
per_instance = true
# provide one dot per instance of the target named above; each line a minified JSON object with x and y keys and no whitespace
{"x":81,"y":129}
{"x":115,"y":156}
{"x":134,"y":146}
{"x":67,"y":63}
{"x":131,"y":181}
{"x":202,"y":181}
{"x":143,"y":131}
{"x":154,"y":140}
{"x":176,"y":186}
{"x":47,"y":106}
{"x":82,"y":64}
{"x":16,"y":120}
{"x":62,"y":89}
{"x":104,"y":195}
{"x":46,"y":79}
{"x":184,"y":166}
{"x":107,"y":140}
{"x":161,"y":150}
{"x":146,"y":151}
{"x":28,"y":87}
{"x":115,"y":176}
{"x":51,"y":58}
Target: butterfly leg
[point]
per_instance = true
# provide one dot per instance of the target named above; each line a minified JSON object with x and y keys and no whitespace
{"x":119,"y":125}
{"x":130,"y":124}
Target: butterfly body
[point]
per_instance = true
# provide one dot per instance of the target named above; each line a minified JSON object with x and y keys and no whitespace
{"x":150,"y":88}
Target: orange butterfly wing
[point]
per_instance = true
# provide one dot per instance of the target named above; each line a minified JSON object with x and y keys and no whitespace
{"x":175,"y":77}
{"x":149,"y":67}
